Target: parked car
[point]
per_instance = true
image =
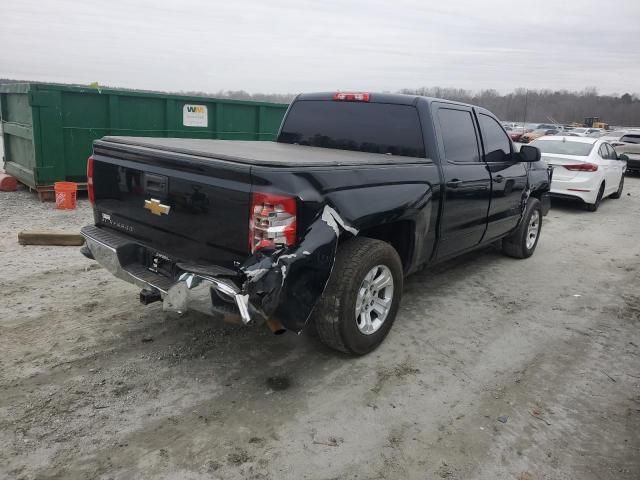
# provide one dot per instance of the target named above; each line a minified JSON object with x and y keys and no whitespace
{"x":585,"y":169}
{"x":587,"y":132}
{"x":612,"y":136}
{"x":531,"y":136}
{"x":321,"y":226}
{"x":566,"y":134}
{"x":508,"y":125}
{"x":629,"y":145}
{"x":516,"y":133}
{"x":581,"y":131}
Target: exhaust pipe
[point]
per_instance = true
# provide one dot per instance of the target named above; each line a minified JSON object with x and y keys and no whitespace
{"x":275,"y":326}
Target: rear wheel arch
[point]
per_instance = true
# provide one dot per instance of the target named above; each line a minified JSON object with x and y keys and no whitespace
{"x":538,"y":193}
{"x":401,"y":235}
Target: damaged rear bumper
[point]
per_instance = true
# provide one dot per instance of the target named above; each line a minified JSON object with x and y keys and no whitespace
{"x":279,"y":286}
{"x":188,"y":290}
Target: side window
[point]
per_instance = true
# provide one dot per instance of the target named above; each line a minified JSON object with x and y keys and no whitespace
{"x":611,"y":151}
{"x":602,"y":151}
{"x":496,"y":143}
{"x":458,"y":135}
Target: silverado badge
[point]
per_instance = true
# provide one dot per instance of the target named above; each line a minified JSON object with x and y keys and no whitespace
{"x":157,"y":208}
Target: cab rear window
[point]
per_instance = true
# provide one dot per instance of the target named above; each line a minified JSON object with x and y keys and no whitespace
{"x":360,"y":126}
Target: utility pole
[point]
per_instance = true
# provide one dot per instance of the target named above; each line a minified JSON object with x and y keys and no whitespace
{"x":526,"y":99}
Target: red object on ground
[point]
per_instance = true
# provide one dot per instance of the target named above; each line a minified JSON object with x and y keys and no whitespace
{"x":7,"y":183}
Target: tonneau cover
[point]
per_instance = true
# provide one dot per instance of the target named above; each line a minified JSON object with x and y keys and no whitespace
{"x":257,"y":153}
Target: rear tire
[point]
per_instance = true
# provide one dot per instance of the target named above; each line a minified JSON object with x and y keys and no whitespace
{"x":592,"y":207}
{"x":523,"y":242}
{"x":338,"y":317}
{"x":618,"y":194}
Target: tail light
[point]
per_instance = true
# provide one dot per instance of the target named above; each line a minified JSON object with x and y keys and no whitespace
{"x":90,"y":191}
{"x":351,"y":97}
{"x":272,"y":221}
{"x":582,"y":167}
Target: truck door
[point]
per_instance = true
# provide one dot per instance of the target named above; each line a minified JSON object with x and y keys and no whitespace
{"x":508,"y":177}
{"x":467,"y":180}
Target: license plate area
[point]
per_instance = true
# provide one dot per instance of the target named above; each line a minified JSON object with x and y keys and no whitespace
{"x":160,"y":263}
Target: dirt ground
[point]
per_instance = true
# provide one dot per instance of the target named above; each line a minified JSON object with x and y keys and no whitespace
{"x":495,"y":369}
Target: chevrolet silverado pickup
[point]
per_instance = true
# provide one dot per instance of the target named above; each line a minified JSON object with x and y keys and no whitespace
{"x":319,"y":228}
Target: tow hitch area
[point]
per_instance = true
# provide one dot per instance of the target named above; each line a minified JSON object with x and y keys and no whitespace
{"x":148,"y":296}
{"x":193,"y":291}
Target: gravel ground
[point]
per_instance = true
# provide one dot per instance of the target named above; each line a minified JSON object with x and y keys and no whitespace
{"x":496,"y":368}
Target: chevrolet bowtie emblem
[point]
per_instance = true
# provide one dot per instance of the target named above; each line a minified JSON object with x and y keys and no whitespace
{"x":157,"y":208}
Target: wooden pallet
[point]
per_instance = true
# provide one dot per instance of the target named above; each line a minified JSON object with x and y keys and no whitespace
{"x":47,"y":193}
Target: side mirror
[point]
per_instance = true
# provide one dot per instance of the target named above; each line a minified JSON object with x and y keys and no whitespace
{"x":623,"y":157}
{"x":529,"y":153}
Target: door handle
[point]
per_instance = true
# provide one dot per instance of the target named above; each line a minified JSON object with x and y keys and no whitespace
{"x":498,"y":178}
{"x":455,"y":183}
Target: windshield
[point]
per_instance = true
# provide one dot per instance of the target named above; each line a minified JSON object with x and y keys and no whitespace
{"x":360,"y":126}
{"x":560,"y":147}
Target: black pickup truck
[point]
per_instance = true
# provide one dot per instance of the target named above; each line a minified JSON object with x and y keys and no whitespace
{"x":319,"y":228}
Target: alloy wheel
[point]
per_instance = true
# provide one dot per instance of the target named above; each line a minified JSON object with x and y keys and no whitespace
{"x":374,"y":300}
{"x":533,"y":229}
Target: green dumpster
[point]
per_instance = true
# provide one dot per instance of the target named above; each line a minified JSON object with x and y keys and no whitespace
{"x":48,"y":129}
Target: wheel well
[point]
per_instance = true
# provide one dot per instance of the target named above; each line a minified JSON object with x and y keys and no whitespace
{"x":399,"y":234}
{"x":537,"y":194}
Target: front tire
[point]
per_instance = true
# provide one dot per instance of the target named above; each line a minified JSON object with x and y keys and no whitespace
{"x":523,"y":242}
{"x":592,"y":207}
{"x":362,"y":297}
{"x":618,"y":194}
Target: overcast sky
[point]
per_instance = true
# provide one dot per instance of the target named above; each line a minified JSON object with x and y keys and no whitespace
{"x":289,"y":46}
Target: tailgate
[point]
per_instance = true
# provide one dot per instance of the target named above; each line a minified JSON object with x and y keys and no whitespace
{"x":185,"y":207}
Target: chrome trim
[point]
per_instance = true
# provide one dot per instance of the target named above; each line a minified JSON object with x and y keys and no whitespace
{"x":192,"y":291}
{"x":98,"y":241}
{"x":156,"y":287}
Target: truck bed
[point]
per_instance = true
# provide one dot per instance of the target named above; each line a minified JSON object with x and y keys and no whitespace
{"x":252,"y":152}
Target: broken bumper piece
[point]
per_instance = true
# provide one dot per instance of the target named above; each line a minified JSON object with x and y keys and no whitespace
{"x":190,"y":291}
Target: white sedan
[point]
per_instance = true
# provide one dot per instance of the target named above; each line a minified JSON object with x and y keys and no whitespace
{"x":584,"y":168}
{"x":587,"y":132}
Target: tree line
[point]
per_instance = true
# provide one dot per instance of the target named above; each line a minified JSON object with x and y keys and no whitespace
{"x":555,"y":106}
{"x":521,"y":105}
